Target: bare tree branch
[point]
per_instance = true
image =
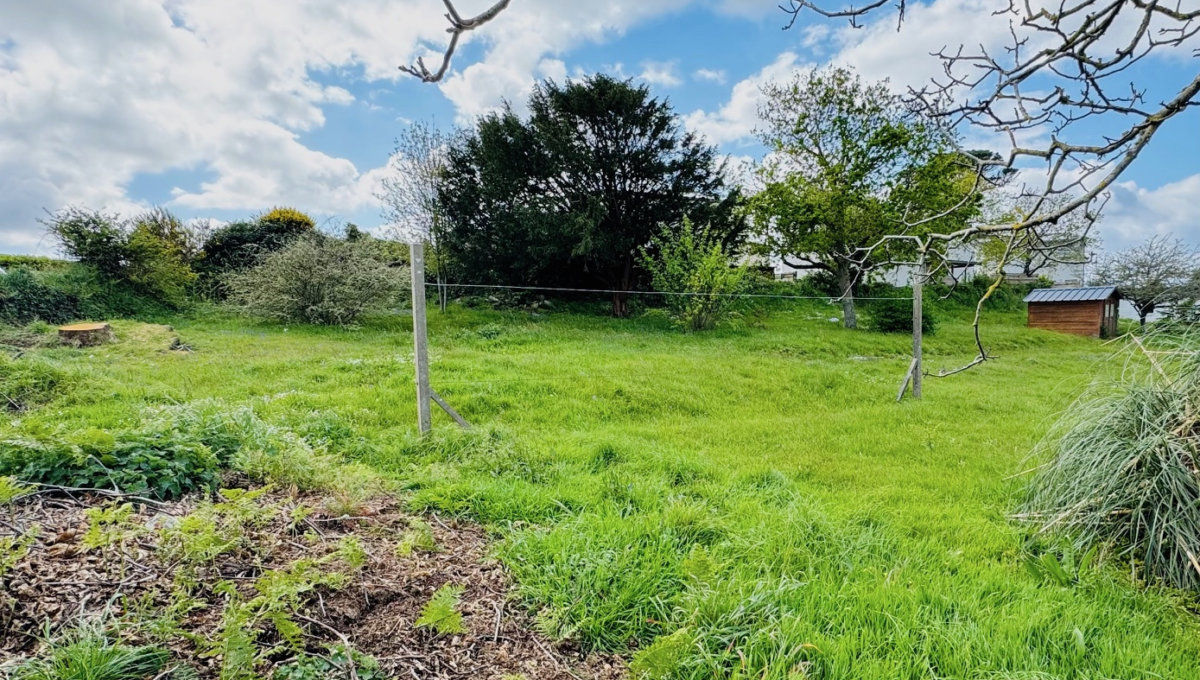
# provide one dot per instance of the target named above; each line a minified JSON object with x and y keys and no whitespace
{"x":458,"y":26}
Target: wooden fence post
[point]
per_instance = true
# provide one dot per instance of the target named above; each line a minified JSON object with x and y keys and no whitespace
{"x":918,"y":330}
{"x":420,"y":340}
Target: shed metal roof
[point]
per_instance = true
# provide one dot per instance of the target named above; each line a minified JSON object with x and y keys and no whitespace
{"x":1088,"y":294}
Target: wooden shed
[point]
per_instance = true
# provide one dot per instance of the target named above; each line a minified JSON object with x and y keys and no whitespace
{"x":1082,"y":311}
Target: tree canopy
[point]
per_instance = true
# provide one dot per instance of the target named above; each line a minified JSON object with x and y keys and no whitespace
{"x":849,"y":165}
{"x":569,"y":195}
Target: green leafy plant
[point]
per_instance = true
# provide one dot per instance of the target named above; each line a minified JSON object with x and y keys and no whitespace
{"x":661,"y":659}
{"x":11,"y":490}
{"x":694,"y":269}
{"x":13,"y":549}
{"x":337,"y":660}
{"x":111,"y":529}
{"x":418,"y":538}
{"x":441,"y":613}
{"x":1064,"y":568}
{"x":162,"y":464}
{"x":215,"y":529}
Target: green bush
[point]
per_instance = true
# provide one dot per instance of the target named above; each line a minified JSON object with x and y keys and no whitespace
{"x":318,"y":280}
{"x":24,"y":297}
{"x":240,"y":245}
{"x":693,"y":268}
{"x":148,"y":462}
{"x":150,"y":254}
{"x":896,"y":316}
{"x":100,"y":297}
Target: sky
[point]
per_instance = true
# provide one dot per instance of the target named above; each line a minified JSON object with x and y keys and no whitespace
{"x":222,"y":109}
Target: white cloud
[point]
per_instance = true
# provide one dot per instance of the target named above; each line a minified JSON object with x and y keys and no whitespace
{"x":532,"y":31}
{"x":711,"y":75}
{"x":661,"y":73}
{"x":736,"y":119}
{"x":96,"y":94}
{"x":1134,"y":213}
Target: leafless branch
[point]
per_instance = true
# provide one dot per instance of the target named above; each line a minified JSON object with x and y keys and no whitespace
{"x":458,"y":26}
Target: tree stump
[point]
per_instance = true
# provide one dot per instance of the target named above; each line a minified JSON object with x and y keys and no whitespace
{"x":86,"y":334}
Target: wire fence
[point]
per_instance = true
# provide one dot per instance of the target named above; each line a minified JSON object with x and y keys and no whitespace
{"x":613,"y":291}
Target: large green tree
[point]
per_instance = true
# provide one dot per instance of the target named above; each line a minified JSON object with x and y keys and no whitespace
{"x":571,"y":194}
{"x":849,"y":165}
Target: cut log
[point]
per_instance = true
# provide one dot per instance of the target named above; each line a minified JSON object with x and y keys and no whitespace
{"x":86,"y":334}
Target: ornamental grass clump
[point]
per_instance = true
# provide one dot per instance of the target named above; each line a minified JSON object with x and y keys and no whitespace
{"x":1120,"y":466}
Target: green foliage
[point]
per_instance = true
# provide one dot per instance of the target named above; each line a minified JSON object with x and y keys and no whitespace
{"x":535,"y":202}
{"x":418,"y":538}
{"x":288,"y":220}
{"x":1007,"y":297}
{"x":11,"y":490}
{"x":318,"y":280}
{"x":661,"y":659}
{"x":29,"y":381}
{"x":896,"y":316}
{"x":150,"y":253}
{"x":13,"y":549}
{"x":1120,"y":465}
{"x":31,"y":262}
{"x":441,"y":613}
{"x":89,"y":653}
{"x":161,"y":464}
{"x":215,"y":529}
{"x":240,"y":245}
{"x":334,"y":663}
{"x":24,"y":297}
{"x":850,"y":164}
{"x":694,"y":268}
{"x":282,"y":594}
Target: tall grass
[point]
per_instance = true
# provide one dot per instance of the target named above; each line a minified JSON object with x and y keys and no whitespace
{"x":1122,"y":464}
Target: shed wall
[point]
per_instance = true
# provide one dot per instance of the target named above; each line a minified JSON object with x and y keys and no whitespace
{"x":1080,"y":318}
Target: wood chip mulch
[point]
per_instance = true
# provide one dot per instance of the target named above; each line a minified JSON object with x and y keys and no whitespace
{"x":59,"y":580}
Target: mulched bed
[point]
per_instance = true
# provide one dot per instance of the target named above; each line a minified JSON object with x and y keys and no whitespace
{"x":58,"y":580}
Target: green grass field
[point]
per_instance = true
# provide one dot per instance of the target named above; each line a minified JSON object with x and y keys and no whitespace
{"x":745,"y":503}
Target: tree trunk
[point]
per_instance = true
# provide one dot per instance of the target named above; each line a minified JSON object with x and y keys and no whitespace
{"x":621,"y":297}
{"x":85,"y":334}
{"x":845,"y":279}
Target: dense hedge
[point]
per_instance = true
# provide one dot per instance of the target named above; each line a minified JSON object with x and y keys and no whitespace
{"x":34,"y":262}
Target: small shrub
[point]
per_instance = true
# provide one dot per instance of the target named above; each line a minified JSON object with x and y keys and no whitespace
{"x":163,"y":465}
{"x":441,"y":612}
{"x":694,"y":269}
{"x":896,"y":316}
{"x":318,"y":280}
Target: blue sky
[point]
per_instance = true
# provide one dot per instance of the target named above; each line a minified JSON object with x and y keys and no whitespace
{"x":224,"y":108}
